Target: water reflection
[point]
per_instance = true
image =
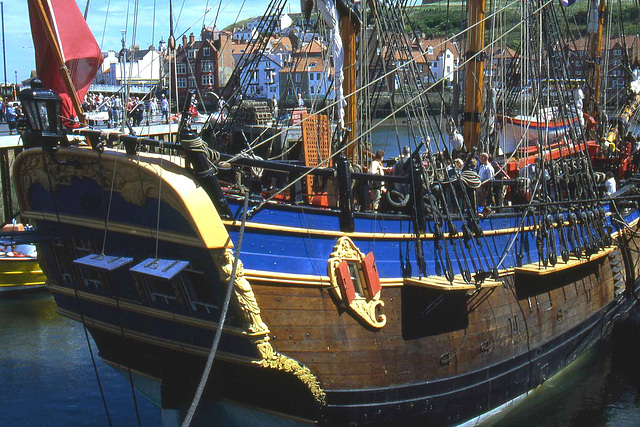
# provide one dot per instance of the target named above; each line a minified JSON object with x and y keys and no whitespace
{"x":47,"y":376}
{"x":597,"y":389}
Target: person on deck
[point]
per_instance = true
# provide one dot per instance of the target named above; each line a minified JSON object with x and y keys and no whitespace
{"x":486,"y":173}
{"x":610,"y":184}
{"x":300,"y":101}
{"x":377,"y":187}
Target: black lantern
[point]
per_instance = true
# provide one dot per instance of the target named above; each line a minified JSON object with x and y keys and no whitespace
{"x":43,"y":111}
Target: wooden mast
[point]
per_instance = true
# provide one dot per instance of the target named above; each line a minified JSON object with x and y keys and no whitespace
{"x":474,"y":72}
{"x":53,"y":43}
{"x":595,"y":52}
{"x":348,"y":35}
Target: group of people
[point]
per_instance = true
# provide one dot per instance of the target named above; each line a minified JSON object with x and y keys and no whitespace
{"x":135,"y":107}
{"x":486,"y":168}
{"x":9,"y":113}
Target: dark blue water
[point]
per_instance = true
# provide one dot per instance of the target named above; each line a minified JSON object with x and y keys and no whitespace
{"x":47,"y":378}
{"x":601,"y":388}
{"x":46,"y":373}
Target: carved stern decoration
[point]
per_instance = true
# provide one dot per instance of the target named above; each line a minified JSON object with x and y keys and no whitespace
{"x":355,"y":282}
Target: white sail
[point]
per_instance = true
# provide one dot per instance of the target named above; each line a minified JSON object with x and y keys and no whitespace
{"x":329,"y":12}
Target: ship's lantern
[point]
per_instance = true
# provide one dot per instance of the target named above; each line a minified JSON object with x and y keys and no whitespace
{"x":42,"y":107}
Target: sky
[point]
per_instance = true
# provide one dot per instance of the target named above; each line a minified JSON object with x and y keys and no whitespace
{"x":106,"y":27}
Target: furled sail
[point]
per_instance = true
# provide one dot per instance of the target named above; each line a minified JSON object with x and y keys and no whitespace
{"x":329,"y":12}
{"x":78,"y":48}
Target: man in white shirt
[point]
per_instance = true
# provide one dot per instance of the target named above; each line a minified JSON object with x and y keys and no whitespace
{"x":377,"y":186}
{"x":610,"y":184}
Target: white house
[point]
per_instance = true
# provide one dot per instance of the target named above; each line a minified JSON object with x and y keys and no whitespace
{"x":104,"y":75}
{"x":138,"y":67}
{"x":262,"y":77}
{"x":442,"y":57}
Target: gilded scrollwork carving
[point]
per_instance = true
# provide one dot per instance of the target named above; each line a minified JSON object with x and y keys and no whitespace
{"x":134,"y":187}
{"x":366,"y":302}
{"x":271,"y":359}
{"x":244,"y":298}
{"x":250,"y":311}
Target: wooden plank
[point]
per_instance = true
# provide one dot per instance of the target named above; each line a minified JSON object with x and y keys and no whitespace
{"x":441,"y":283}
{"x":537,"y":269}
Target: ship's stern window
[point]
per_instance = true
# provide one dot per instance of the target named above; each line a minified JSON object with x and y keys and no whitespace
{"x":199,"y":291}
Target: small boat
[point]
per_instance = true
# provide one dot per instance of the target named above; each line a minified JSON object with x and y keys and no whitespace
{"x":520,"y":131}
{"x":19,"y":267}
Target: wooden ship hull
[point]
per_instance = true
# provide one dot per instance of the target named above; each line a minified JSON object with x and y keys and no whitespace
{"x":299,"y":341}
{"x":425,"y":312}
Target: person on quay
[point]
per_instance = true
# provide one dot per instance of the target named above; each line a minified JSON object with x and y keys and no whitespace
{"x":12,"y":119}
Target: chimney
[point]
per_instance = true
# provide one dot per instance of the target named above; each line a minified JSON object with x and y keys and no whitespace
{"x":184,"y":41}
{"x":192,"y":39}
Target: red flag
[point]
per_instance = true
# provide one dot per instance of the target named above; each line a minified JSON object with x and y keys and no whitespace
{"x":79,"y":49}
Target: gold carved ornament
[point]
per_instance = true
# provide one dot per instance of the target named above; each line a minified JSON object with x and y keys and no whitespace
{"x":355,"y":282}
{"x":134,"y":187}
{"x":249,"y":310}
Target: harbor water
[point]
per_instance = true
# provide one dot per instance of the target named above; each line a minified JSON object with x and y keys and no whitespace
{"x":47,"y":377}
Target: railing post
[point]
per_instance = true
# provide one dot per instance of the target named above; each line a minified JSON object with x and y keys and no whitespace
{"x":344,"y":193}
{"x":418,"y":193}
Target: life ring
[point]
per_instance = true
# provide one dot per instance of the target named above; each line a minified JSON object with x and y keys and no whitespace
{"x":397,"y":199}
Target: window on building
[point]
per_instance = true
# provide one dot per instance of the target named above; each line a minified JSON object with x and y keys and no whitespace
{"x":192,"y":81}
{"x":617,"y":52}
{"x":191,"y":53}
{"x":298,"y":77}
{"x":312,"y":89}
{"x":207,"y":80}
{"x":254,"y":76}
{"x":181,"y":68}
{"x":207,"y":66}
{"x":206,"y":51}
{"x":182,"y":82}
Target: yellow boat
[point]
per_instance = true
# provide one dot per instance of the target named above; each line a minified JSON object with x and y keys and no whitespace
{"x":19,"y":267}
